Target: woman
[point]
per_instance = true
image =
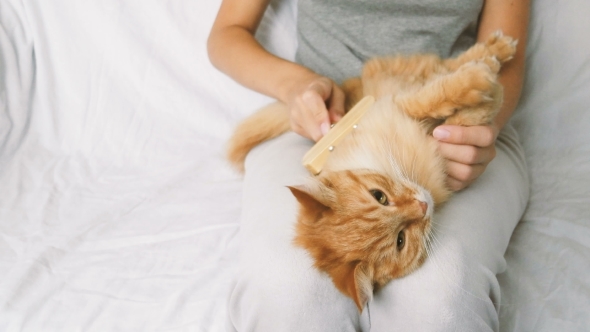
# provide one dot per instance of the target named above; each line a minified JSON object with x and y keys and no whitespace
{"x":456,"y":289}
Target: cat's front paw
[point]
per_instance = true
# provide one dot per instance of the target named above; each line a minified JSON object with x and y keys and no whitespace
{"x":501,"y":46}
{"x":481,"y":114}
{"x":470,"y":86}
{"x":476,"y":84}
{"x":493,"y":63}
{"x":476,"y":116}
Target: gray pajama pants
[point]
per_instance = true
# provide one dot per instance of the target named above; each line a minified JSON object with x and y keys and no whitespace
{"x":277,"y":288}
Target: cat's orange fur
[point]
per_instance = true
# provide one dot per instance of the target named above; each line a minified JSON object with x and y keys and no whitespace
{"x":366,"y":218}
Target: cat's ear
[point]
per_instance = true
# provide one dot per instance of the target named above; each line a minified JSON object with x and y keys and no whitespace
{"x":312,"y":207}
{"x":355,"y":281}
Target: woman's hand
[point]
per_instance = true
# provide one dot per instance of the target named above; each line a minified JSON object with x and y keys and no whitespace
{"x":314,"y":101}
{"x":468,"y":151}
{"x":314,"y":104}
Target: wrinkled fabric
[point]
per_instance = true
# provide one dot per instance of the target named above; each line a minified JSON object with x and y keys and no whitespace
{"x":117,"y":208}
{"x":118,"y":212}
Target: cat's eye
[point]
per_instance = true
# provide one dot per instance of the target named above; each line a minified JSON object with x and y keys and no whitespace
{"x":379,"y":196}
{"x":401,"y":240}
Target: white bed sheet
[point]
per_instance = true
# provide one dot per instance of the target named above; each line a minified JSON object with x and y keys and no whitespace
{"x":118,"y":212}
{"x":547,"y":283}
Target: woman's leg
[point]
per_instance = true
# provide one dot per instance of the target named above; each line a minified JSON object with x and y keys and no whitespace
{"x":277,"y":288}
{"x":456,"y":289}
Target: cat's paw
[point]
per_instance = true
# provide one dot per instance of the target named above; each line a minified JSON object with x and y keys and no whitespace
{"x":475,"y":116}
{"x":481,"y":114}
{"x":470,"y":86}
{"x":501,"y":46}
{"x":476,"y":84}
{"x":493,"y":63}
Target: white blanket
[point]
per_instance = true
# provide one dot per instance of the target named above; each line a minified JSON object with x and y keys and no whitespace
{"x":118,"y":211}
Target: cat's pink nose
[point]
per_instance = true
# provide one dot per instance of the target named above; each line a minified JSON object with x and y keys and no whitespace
{"x":424,"y":206}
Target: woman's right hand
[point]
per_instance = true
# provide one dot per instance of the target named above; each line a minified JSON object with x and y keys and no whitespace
{"x":314,"y":101}
{"x":314,"y":104}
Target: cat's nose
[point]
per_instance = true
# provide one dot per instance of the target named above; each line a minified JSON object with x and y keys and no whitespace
{"x":423,"y":206}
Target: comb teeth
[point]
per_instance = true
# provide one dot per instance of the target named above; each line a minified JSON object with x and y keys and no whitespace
{"x":315,"y":159}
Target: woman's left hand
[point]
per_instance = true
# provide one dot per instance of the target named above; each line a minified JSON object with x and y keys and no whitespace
{"x":468,"y":151}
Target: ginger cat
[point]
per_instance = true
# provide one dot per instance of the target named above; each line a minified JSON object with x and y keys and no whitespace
{"x":366,"y":218}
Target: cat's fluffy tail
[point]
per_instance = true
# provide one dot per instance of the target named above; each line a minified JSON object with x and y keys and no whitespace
{"x":269,"y":122}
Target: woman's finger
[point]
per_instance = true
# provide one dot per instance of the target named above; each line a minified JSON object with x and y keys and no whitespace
{"x":481,"y":136}
{"x":296,"y":128}
{"x":315,"y":107}
{"x":336,"y":104}
{"x":467,"y":154}
{"x":456,"y":185}
{"x":315,"y":117}
{"x":464,"y":173}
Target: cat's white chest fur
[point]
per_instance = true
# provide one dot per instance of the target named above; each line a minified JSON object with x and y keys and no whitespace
{"x":389,"y":142}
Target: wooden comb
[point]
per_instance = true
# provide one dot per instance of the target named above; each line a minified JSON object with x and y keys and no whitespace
{"x":317,"y":156}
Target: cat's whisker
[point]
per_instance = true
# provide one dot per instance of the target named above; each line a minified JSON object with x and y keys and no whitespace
{"x":404,"y":158}
{"x":434,"y":242}
{"x":427,"y":245}
{"x":430,"y":245}
{"x":403,"y":169}
{"x":414,"y":167}
{"x":394,"y":165}
{"x":399,"y":171}
{"x":411,"y":176}
{"x":439,"y":226}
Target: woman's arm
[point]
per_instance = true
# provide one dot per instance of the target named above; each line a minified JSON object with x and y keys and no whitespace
{"x":512,"y":17}
{"x":314,"y":101}
{"x":469,"y":150}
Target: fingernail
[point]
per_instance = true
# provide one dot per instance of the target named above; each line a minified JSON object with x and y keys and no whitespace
{"x":440,"y":133}
{"x":324,"y":128}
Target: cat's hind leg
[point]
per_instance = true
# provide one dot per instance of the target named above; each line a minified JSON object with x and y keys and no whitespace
{"x":495,"y":51}
{"x":419,"y":66}
{"x":473,"y":84}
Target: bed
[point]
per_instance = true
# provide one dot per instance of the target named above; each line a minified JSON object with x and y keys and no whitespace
{"x":119,"y":213}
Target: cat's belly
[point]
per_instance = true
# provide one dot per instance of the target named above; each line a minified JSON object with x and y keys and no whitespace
{"x":391,"y":143}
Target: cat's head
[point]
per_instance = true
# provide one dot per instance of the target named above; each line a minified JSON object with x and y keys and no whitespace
{"x":363,"y":228}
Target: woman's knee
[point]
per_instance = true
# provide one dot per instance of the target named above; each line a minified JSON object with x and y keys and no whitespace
{"x":452,"y":291}
{"x":291,"y":297}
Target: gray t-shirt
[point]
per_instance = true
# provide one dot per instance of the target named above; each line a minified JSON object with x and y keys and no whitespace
{"x":337,"y":36}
